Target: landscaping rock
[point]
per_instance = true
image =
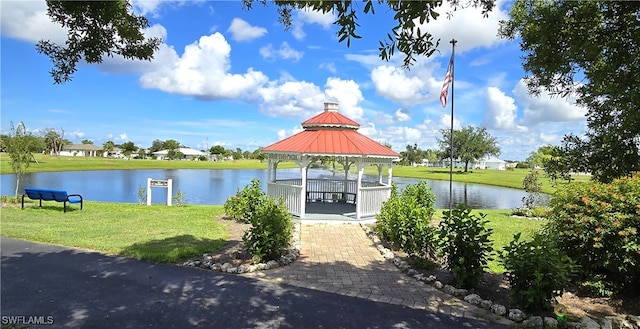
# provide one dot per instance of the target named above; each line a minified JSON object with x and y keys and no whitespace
{"x":272,"y":264}
{"x":606,"y":323}
{"x":243,"y":269}
{"x":438,"y":285}
{"x":262,"y":266}
{"x":460,"y":292}
{"x":232,"y":270}
{"x":573,"y":325}
{"x":588,"y":323}
{"x":216,"y":267}
{"x":498,"y":309}
{"x":225,"y":266}
{"x":388,"y":255}
{"x":430,"y":279}
{"x":419,"y":276}
{"x":473,"y":299}
{"x":634,"y":320}
{"x":411,"y":272}
{"x":486,"y":304}
{"x":449,"y":289}
{"x":534,"y":322}
{"x":516,"y":315}
{"x":253,"y":268}
{"x":550,"y":323}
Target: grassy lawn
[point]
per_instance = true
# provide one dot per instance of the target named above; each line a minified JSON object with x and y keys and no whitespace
{"x":48,"y":163}
{"x":156,"y":233}
{"x":504,"y":227}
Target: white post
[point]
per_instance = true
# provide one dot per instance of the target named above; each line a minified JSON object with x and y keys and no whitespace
{"x":169,"y":191}
{"x":148,"y":191}
{"x":380,"y":173}
{"x":359,"y":200}
{"x":304,"y":162}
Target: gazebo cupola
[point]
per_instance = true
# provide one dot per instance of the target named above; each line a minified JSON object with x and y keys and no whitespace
{"x":330,"y":134}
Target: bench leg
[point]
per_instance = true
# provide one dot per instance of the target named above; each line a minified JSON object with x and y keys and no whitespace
{"x":23,"y":201}
{"x":65,"y":206}
{"x":40,"y":203}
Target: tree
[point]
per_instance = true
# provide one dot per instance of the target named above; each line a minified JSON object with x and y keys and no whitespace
{"x":86,"y":141}
{"x":469,"y":144}
{"x":156,"y":145}
{"x":54,"y":140}
{"x":217,"y":149}
{"x":18,"y":147}
{"x":170,"y":145}
{"x":590,"y":50}
{"x":411,"y":155}
{"x":237,"y":154}
{"x":128,"y":148}
{"x":107,"y":28}
{"x":542,"y":155}
{"x":95,"y":29}
{"x":108,"y":147}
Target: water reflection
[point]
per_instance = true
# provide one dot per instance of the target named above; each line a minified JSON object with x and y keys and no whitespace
{"x":203,"y":186}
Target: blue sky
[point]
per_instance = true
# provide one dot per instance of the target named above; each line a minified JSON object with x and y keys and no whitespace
{"x":228,"y":76}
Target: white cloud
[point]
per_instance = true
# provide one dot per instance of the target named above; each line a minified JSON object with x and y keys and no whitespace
{"x":285,"y":51}
{"x":28,"y":21}
{"x":308,"y":16}
{"x":203,"y":72}
{"x":467,"y":26}
{"x":242,"y":31}
{"x":152,"y":7}
{"x":402,"y":115}
{"x":331,"y":67}
{"x":402,"y":86}
{"x":348,"y":95}
{"x":545,"y":108}
{"x":291,"y":99}
{"x":122,"y":136}
{"x":500,"y":111}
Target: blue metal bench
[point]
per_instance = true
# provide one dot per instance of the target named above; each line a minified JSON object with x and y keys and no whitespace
{"x":51,"y":195}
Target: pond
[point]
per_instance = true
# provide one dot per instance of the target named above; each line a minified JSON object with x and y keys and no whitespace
{"x":201,"y":186}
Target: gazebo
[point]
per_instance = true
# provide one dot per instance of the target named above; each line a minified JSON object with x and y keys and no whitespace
{"x":330,"y":134}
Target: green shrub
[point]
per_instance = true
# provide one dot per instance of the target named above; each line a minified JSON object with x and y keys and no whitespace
{"x":404,"y":220}
{"x":536,"y":271}
{"x":465,"y":245}
{"x":597,"y":225}
{"x":270,"y":232}
{"x":243,"y":205}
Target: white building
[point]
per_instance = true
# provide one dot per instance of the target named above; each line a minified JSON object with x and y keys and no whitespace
{"x":188,"y":154}
{"x":81,"y":150}
{"x":490,"y":163}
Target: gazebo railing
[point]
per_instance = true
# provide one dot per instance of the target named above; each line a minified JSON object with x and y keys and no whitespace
{"x":371,"y":199}
{"x":290,"y":194}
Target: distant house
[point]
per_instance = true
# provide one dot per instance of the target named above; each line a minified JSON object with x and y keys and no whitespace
{"x":115,"y":153}
{"x":188,"y":154}
{"x":491,"y":163}
{"x":83,"y":150}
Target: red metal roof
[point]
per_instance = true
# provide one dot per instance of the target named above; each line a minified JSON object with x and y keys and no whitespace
{"x":330,"y":118}
{"x":330,"y":133}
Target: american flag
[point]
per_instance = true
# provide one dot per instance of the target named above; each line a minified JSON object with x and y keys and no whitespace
{"x":445,"y":85}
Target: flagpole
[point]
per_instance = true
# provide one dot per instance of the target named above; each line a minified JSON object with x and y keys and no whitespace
{"x":453,"y":53}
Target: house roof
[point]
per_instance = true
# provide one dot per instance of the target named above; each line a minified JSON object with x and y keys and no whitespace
{"x":183,"y":150}
{"x":82,"y":147}
{"x":330,"y":133}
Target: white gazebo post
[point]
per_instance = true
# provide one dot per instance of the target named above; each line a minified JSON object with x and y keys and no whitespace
{"x":303,"y":163}
{"x":360,"y":166}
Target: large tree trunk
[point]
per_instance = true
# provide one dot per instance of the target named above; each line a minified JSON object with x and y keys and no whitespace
{"x":466,"y":166}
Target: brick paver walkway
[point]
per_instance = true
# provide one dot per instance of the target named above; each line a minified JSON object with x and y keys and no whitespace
{"x":340,"y":258}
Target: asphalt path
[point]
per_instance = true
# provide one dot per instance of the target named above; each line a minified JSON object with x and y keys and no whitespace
{"x":80,"y":289}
